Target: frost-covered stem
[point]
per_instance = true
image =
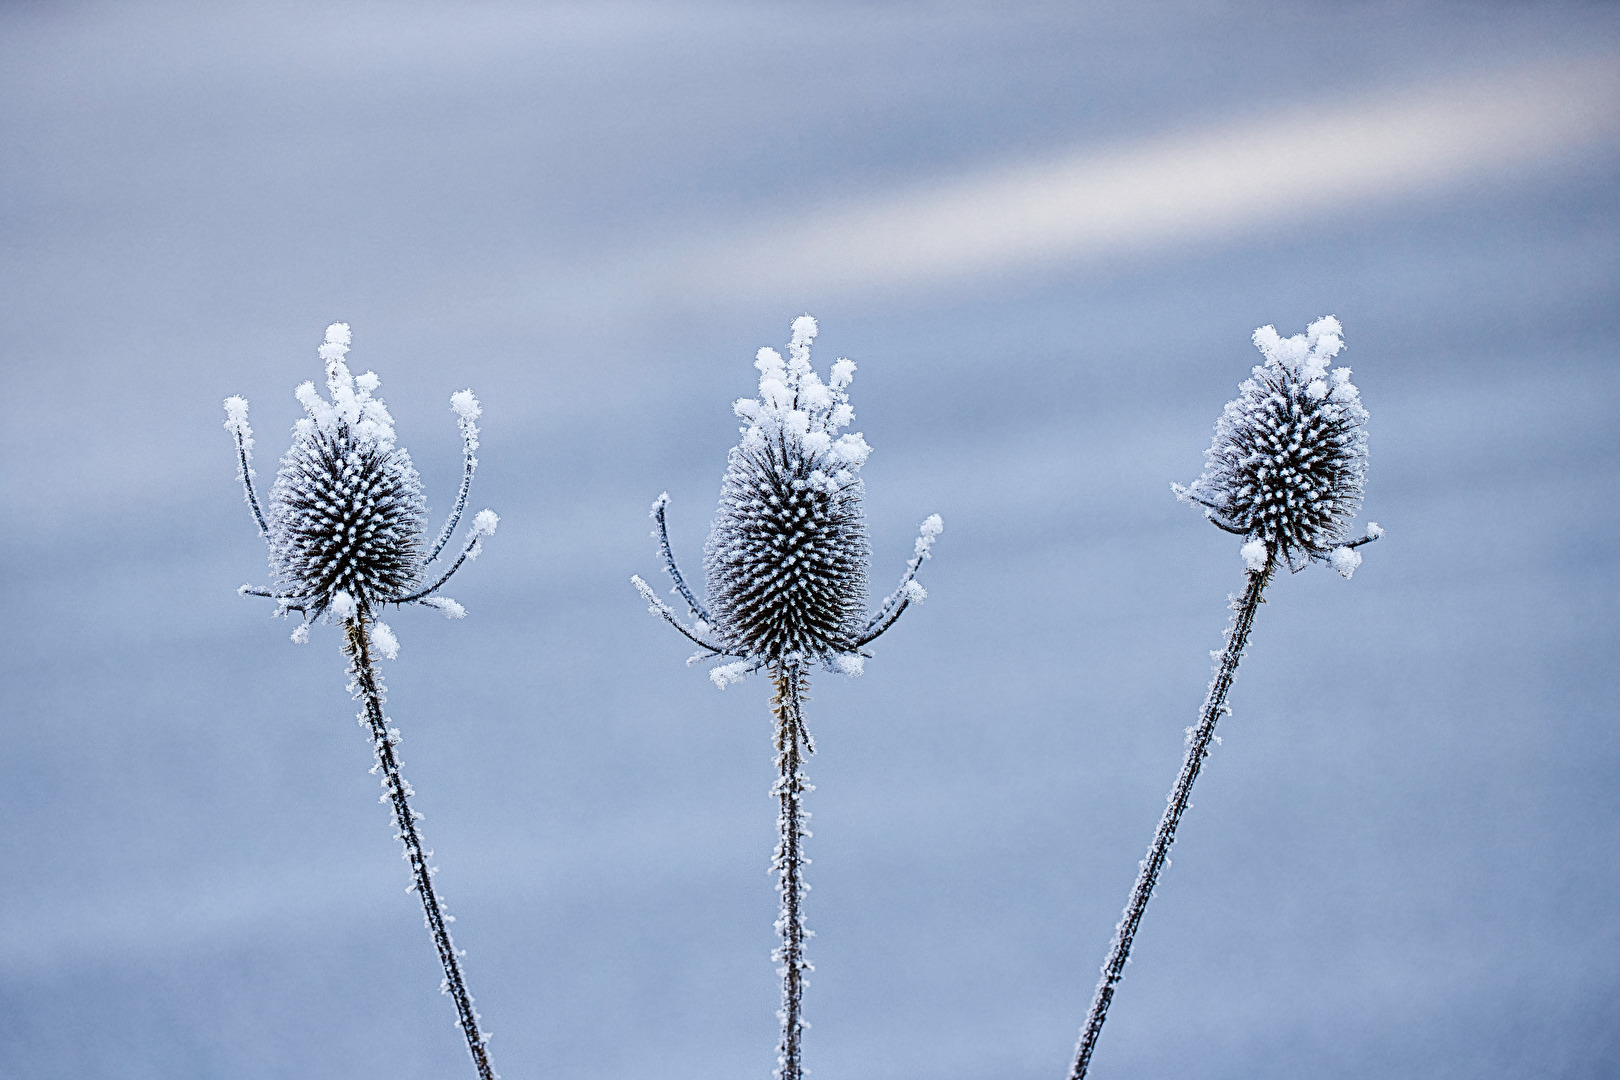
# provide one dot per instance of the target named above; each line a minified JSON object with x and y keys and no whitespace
{"x":368,"y":688}
{"x":792,"y":742}
{"x":1198,"y":741}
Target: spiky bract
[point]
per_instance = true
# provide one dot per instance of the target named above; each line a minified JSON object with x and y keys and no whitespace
{"x":1289,"y":458}
{"x":787,"y":557}
{"x":346,"y":512}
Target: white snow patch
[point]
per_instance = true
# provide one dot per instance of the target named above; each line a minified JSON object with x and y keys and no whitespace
{"x":1345,"y":560}
{"x":451,"y":609}
{"x":384,"y":641}
{"x":726,"y":674}
{"x":466,"y":405}
{"x":851,"y":664}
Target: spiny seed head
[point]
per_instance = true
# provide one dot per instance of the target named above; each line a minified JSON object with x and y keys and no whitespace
{"x":787,"y":557}
{"x":346,"y":511}
{"x":1289,"y":457}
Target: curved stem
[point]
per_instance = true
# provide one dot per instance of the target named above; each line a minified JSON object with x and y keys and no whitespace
{"x":1197,"y":747}
{"x":656,"y":605}
{"x":368,"y":688}
{"x":467,"y":552}
{"x":696,"y":608}
{"x":791,"y":743}
{"x":887,"y":616}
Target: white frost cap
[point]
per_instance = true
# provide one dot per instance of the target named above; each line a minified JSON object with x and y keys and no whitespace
{"x":804,"y":330}
{"x":1306,"y":355}
{"x":1344,"y":560}
{"x":343,"y":605}
{"x":236,"y":418}
{"x":793,"y":401}
{"x":1255,"y":555}
{"x":931,"y":527}
{"x":466,"y":405}
{"x":351,"y":403}
{"x":484,"y":523}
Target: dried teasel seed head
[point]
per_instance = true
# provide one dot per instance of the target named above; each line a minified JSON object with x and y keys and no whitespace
{"x":787,"y":557}
{"x":346,"y":513}
{"x":1289,"y":458}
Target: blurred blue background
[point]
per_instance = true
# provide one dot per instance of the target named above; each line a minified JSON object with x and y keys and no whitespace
{"x":1045,"y":234}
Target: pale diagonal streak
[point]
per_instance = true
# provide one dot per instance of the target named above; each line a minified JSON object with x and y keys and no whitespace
{"x":1205,"y":185}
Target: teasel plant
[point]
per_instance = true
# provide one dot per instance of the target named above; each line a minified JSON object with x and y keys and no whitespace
{"x":1285,"y":472}
{"x":786,"y":570}
{"x":345,"y":527}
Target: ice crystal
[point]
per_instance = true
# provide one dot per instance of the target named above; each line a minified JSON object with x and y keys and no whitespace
{"x":346,"y":517}
{"x":1289,"y":457}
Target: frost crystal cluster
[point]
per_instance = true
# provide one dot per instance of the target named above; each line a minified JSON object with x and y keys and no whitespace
{"x":345,"y":518}
{"x":1289,"y":457}
{"x":787,"y":558}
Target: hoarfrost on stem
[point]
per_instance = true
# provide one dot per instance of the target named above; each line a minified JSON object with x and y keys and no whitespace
{"x":344,"y":527}
{"x":786,"y":567}
{"x":1285,"y":471}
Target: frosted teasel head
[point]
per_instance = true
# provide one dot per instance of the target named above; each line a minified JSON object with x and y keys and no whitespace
{"x":1289,"y":459}
{"x":787,"y":557}
{"x":346,"y":517}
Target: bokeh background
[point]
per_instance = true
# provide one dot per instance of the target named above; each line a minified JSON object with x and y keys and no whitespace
{"x":1045,"y":233}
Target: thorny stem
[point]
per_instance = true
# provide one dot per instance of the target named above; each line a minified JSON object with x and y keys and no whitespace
{"x":368,"y":688}
{"x":1198,"y":741}
{"x":792,"y":742}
